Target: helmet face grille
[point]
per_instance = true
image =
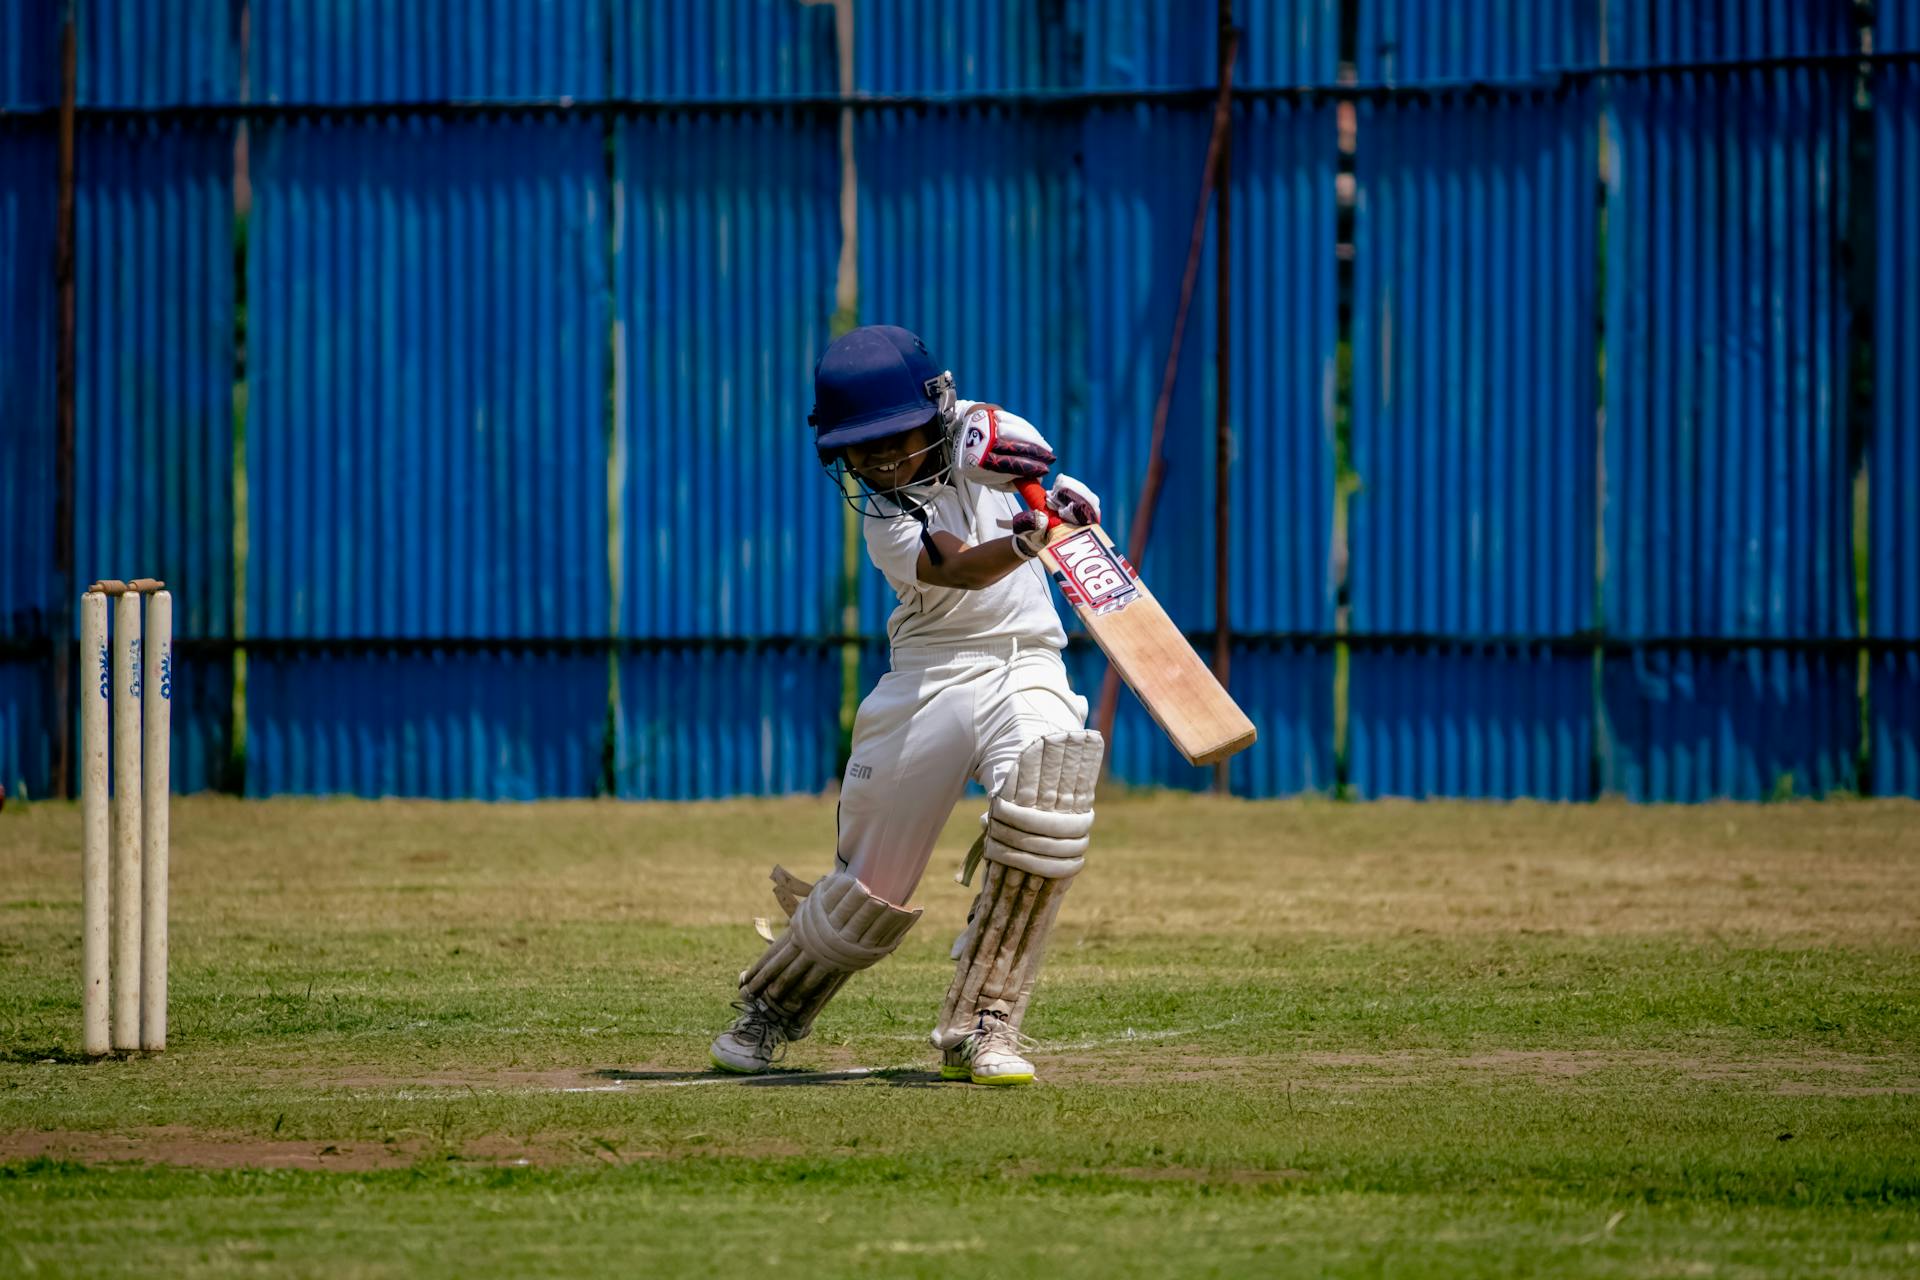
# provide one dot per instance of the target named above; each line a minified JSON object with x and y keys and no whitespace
{"x":900,"y":500}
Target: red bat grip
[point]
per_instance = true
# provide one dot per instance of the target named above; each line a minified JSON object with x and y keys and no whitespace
{"x":1036,"y":497}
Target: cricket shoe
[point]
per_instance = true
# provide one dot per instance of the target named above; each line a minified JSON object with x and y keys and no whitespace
{"x":994,"y":1053}
{"x":756,"y":1040}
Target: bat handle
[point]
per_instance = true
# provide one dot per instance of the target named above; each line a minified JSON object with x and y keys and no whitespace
{"x":1036,"y":497}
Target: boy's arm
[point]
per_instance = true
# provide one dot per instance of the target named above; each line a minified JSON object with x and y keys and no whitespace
{"x":968,"y":567}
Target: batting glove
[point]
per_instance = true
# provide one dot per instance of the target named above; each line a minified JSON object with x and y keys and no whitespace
{"x":999,"y":449}
{"x":1072,"y":501}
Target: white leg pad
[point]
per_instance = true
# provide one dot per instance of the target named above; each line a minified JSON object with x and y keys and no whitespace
{"x":1039,"y":818}
{"x":1037,"y":827}
{"x":837,"y":929}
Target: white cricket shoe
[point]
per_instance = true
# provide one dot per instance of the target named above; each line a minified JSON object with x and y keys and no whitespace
{"x":756,"y":1040}
{"x":993,"y":1054}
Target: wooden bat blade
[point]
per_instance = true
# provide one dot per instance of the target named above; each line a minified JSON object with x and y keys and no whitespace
{"x":1143,"y":644}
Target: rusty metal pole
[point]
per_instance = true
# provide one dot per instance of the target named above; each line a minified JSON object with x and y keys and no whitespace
{"x":1109,"y":703}
{"x":1223,"y":398}
{"x":63,"y":415}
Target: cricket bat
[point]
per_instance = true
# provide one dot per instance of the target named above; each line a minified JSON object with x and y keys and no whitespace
{"x":1140,"y":640}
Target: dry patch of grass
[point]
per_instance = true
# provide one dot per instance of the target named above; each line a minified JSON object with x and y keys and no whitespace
{"x":1800,"y":873}
{"x":1796,"y":873}
{"x":179,"y":1146}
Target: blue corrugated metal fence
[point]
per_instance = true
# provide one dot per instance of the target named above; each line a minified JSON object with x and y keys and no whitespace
{"x":452,"y":365}
{"x":1473,"y":445}
{"x":1729,"y":511}
{"x":1893,"y":464}
{"x":725,"y":238}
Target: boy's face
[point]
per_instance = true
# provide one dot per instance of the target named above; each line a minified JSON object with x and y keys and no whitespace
{"x":891,"y":461}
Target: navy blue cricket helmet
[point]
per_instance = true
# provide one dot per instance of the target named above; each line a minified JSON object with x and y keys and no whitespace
{"x":874,"y":382}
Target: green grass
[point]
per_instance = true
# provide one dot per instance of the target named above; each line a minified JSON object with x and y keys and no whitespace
{"x":1346,"y":1040}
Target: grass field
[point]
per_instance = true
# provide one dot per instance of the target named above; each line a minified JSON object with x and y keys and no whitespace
{"x":1386,"y":1039}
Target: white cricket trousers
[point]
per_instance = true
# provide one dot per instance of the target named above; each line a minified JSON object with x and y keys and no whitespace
{"x":939,"y":717}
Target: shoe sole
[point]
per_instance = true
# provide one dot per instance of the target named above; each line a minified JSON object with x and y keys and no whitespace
{"x":1002,"y":1080}
{"x":732,"y":1070}
{"x":956,"y":1073}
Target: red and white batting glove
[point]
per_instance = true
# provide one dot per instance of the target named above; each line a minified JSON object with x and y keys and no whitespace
{"x":1072,"y":501}
{"x":999,"y":449}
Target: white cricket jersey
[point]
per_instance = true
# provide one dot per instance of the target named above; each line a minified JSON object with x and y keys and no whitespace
{"x":1018,"y":607}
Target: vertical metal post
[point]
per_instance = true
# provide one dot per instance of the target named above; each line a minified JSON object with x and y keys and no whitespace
{"x":846,"y":316}
{"x":1223,"y":397}
{"x":1156,"y":463}
{"x":63,"y":415}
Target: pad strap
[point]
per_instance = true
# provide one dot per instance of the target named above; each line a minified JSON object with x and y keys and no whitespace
{"x":788,"y":890}
{"x":1026,"y":842}
{"x":1015,"y":816}
{"x":1044,"y":865}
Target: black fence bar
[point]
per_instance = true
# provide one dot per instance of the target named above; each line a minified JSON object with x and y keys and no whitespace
{"x":64,"y":377}
{"x":1548,"y":81}
{"x":209,"y":646}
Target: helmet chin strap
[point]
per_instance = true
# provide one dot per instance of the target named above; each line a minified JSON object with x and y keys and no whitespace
{"x":940,"y":391}
{"x":919,"y":512}
{"x":913,"y":500}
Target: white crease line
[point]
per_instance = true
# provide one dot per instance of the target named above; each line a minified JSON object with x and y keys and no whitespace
{"x":1130,"y":1036}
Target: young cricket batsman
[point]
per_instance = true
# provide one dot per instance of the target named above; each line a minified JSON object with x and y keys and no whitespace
{"x":976,"y":689}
